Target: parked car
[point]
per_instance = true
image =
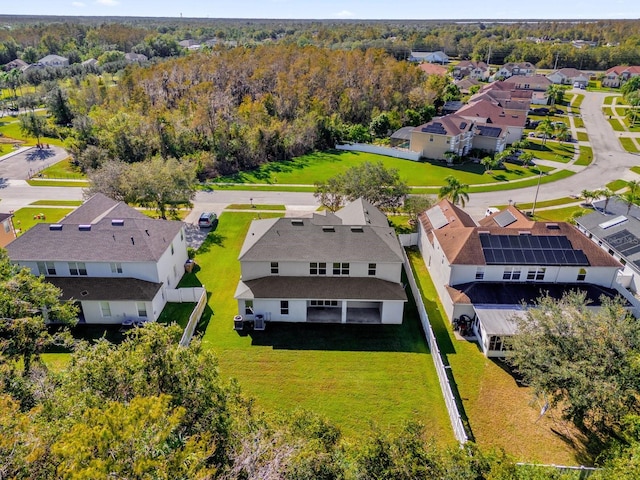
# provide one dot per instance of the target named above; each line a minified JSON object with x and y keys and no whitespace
{"x":207,"y":219}
{"x":540,"y":111}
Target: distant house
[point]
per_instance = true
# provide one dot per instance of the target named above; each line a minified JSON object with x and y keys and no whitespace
{"x":114,"y":262}
{"x":53,"y":61}
{"x":616,"y":76}
{"x":433,"y":69}
{"x":91,"y":62}
{"x":17,"y":63}
{"x":489,"y":272}
{"x":7,"y":230}
{"x":465,"y":85}
{"x":538,"y":83}
{"x":510,"y":69}
{"x":431,"y":57}
{"x":135,"y":57}
{"x":569,"y":76}
{"x":473,"y":70}
{"x":343,"y":267}
{"x":493,"y":114}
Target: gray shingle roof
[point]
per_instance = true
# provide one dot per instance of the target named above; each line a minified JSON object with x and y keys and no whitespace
{"x":137,"y":239}
{"x":323,"y":238}
{"x":105,"y":289}
{"x":321,"y":288}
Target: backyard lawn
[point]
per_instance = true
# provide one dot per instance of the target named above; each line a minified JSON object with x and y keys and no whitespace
{"x":320,"y":166}
{"x":501,"y":413}
{"x":27,"y":217}
{"x":355,"y":375}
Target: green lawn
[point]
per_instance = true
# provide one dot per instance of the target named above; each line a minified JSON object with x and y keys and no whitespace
{"x":551,"y":150}
{"x":501,"y":413}
{"x":578,"y":122}
{"x":24,"y":218}
{"x":559,"y":214}
{"x":608,"y":111}
{"x":177,"y":313}
{"x":531,"y":182}
{"x":57,"y":183}
{"x":629,"y":145}
{"x":582,"y":136}
{"x":63,"y":169}
{"x":616,"y":185}
{"x":577,"y":101}
{"x":586,"y":156}
{"x":616,"y":125}
{"x":5,"y":148}
{"x":320,"y":166}
{"x":546,"y":203}
{"x":10,"y":127}
{"x":608,"y":100}
{"x":355,"y":375}
{"x":58,"y":203}
{"x":248,"y":206}
{"x":635,"y":170}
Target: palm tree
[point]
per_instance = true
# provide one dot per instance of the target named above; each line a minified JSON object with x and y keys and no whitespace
{"x":555,"y":93}
{"x":630,"y":199}
{"x":607,"y":194}
{"x":489,"y":163}
{"x":634,"y":187}
{"x":526,"y":158}
{"x":546,"y":128}
{"x":562,"y":131}
{"x":588,"y":196}
{"x":454,"y":191}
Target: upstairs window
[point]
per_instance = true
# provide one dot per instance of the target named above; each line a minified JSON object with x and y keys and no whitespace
{"x":340,"y":268}
{"x":536,"y":274}
{"x":46,"y":268}
{"x":317,"y":268}
{"x":480,"y":273}
{"x":284,"y":307}
{"x":77,"y":268}
{"x":372,"y":269}
{"x":582,"y":274}
{"x":275,"y":268}
{"x":116,"y":267}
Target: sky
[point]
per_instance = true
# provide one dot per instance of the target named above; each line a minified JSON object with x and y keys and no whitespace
{"x":334,"y":9}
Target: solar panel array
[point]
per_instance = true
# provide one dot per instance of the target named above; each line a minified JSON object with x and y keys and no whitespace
{"x":624,"y":242}
{"x":504,"y":218}
{"x":530,"y":250}
{"x":435,"y":127}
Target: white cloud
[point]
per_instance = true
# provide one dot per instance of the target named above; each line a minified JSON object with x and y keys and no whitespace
{"x":79,"y":4}
{"x":108,"y":3}
{"x":344,"y":14}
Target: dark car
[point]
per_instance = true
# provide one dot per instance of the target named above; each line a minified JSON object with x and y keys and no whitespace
{"x":207,"y":219}
{"x":540,"y":111}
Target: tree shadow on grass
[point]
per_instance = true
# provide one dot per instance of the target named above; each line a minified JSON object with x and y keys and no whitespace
{"x":214,"y":239}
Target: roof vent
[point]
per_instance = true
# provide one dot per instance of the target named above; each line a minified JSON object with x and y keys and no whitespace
{"x":613,"y":222}
{"x":328,"y":228}
{"x":553,"y":226}
{"x":483,"y":232}
{"x":84,"y":228}
{"x":117,"y":222}
{"x":524,"y":233}
{"x":358,"y":229}
{"x":297,"y":222}
{"x":84,"y":293}
{"x":55,"y":226}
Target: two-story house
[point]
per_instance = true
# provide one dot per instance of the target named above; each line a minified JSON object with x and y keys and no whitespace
{"x":472,"y":70}
{"x":488,"y":272}
{"x":511,"y":69}
{"x":569,"y":76}
{"x":7,"y":230}
{"x":113,"y":261}
{"x":450,"y":133}
{"x":342,"y":267}
{"x":491,"y":113}
{"x":616,"y":76}
{"x":536,"y":83}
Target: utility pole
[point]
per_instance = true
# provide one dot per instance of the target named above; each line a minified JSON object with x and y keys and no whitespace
{"x":489,"y":55}
{"x":555,"y":65}
{"x":535,"y":200}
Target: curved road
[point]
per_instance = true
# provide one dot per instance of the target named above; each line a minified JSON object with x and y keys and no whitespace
{"x":611,"y":162}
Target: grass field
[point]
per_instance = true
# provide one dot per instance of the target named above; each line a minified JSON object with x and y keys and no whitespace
{"x":608,"y":111}
{"x":616,"y":185}
{"x":578,"y":122}
{"x":353,"y":374}
{"x":64,"y":170}
{"x":57,"y":183}
{"x":58,"y":203}
{"x":501,"y":413}
{"x":582,"y":136}
{"x":554,"y":151}
{"x":248,"y":206}
{"x":585,"y":157}
{"x":616,"y":125}
{"x":608,"y":100}
{"x":545,"y":203}
{"x":635,"y":170}
{"x":10,"y":127}
{"x":559,"y":214}
{"x":25,"y":218}
{"x":316,"y":167}
{"x":629,"y":145}
{"x":577,"y":102}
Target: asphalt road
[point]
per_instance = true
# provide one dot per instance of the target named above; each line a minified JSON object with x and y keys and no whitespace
{"x":611,"y":162}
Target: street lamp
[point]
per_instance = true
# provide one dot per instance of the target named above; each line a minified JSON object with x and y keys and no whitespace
{"x":251,"y":200}
{"x":533,"y":210}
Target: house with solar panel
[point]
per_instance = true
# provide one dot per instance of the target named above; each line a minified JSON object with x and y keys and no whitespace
{"x":343,"y":267}
{"x":114,"y":262}
{"x":617,"y":232}
{"x":488,"y":272}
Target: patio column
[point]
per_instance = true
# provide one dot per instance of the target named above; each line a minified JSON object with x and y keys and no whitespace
{"x":344,"y":311}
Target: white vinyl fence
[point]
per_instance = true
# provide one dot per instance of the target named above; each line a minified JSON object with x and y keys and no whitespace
{"x":442,"y":370}
{"x":196,"y":294}
{"x":388,"y":151}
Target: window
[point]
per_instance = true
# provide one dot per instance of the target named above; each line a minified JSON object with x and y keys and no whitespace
{"x":323,"y":303}
{"x":511,"y":273}
{"x":536,"y":273}
{"x":284,"y":307}
{"x":480,"y":273}
{"x":116,"y":268}
{"x":46,"y":268}
{"x":248,"y":307}
{"x":77,"y":268}
{"x":340,"y":268}
{"x":142,"y":309}
{"x":317,"y":268}
{"x":274,"y":268}
{"x":7,"y":227}
{"x":171,"y":248}
{"x":372,"y":269}
{"x":582,"y":274}
{"x":495,"y":343}
{"x":105,"y":309}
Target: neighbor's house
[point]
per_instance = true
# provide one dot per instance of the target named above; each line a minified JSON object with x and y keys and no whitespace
{"x":450,"y":133}
{"x":135,"y":57}
{"x":465,"y":85}
{"x":617,"y":232}
{"x":342,"y":267}
{"x":53,"y":61}
{"x":616,"y":76}
{"x":569,"y":76}
{"x":536,"y":83}
{"x":433,"y":69}
{"x":511,"y":69}
{"x":7,"y":231}
{"x":487,"y":273}
{"x":472,"y":70}
{"x":17,"y":63}
{"x":431,"y":57}
{"x":483,"y":111}
{"x":114,"y":262}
